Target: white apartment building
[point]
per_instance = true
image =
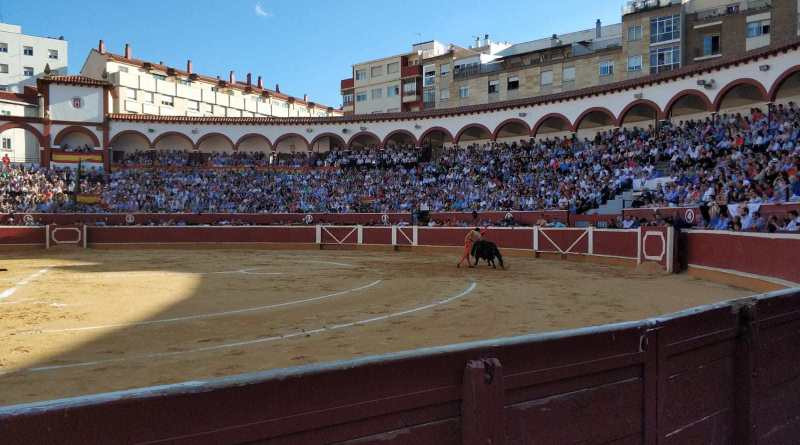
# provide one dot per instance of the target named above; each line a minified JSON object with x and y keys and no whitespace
{"x":141,"y":87}
{"x":23,"y":57}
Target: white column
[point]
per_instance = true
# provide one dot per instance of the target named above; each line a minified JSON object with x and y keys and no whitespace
{"x":319,"y":234}
{"x":414,"y":235}
{"x":394,"y":235}
{"x":590,"y":242}
{"x":47,"y":236}
{"x":670,"y":248}
{"x":360,"y":229}
{"x":535,"y":238}
{"x":639,"y":245}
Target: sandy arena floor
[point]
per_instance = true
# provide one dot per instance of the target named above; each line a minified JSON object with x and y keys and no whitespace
{"x":84,"y":322}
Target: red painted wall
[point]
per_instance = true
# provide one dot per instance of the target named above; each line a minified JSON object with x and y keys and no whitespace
{"x":22,"y":235}
{"x":761,"y":255}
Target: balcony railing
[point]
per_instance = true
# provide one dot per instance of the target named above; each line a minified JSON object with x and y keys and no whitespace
{"x":464,"y":72}
{"x":411,"y":71}
{"x":643,"y":5}
{"x":732,"y":9}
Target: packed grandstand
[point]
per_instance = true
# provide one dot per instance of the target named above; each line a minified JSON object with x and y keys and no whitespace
{"x":717,"y":163}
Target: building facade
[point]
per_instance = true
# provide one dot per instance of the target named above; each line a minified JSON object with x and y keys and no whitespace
{"x":142,"y":87}
{"x":654,"y":36}
{"x":24,"y":57}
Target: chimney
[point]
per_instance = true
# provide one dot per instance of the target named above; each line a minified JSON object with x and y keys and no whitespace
{"x":231,"y":77}
{"x":249,"y":79}
{"x":597,"y":27}
{"x":486,"y":40}
{"x":260,"y":83}
{"x":305,"y":97}
{"x":277,"y":88}
{"x":101,"y":48}
{"x":127,"y":51}
{"x":477,"y":41}
{"x":189,"y":66}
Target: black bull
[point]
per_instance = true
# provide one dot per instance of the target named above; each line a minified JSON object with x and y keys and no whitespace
{"x":487,"y":250}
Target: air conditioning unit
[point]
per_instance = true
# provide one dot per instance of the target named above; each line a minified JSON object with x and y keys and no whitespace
{"x":707,"y":84}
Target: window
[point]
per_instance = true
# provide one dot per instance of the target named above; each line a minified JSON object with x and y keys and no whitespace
{"x":159,"y":77}
{"x":430,"y":75}
{"x":710,"y":45}
{"x":130,"y":94}
{"x":606,"y":68}
{"x":444,"y":94}
{"x":3,"y":68}
{"x":184,"y":82}
{"x":193,"y":105}
{"x":444,"y":69}
{"x":634,"y":63}
{"x":361,"y":97}
{"x":755,"y":29}
{"x":569,"y":74}
{"x":463,"y":92}
{"x":546,"y":78}
{"x":347,"y":99}
{"x":664,"y":29}
{"x":376,"y":71}
{"x":410,"y":88}
{"x":429,"y":96}
{"x":3,"y":47}
{"x":634,"y":33}
{"x":147,"y":97}
{"x":512,"y":83}
{"x":3,"y":87}
{"x":361,"y":74}
{"x":168,"y":101}
{"x":665,"y":59}
{"x":6,"y":143}
{"x":5,"y":112}
{"x":493,"y":86}
{"x":377,"y":93}
{"x":27,"y":50}
{"x":52,"y":53}
{"x":27,"y":71}
{"x":392,"y":90}
{"x":393,"y":68}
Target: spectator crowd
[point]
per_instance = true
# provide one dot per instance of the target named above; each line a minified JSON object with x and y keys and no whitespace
{"x":728,"y":164}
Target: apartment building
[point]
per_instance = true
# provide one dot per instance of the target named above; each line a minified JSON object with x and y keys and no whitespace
{"x":404,"y":82}
{"x":24,"y":57}
{"x":654,"y":36}
{"x":142,"y":87}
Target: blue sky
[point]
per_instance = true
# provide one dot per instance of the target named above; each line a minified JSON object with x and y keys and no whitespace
{"x":305,"y":46}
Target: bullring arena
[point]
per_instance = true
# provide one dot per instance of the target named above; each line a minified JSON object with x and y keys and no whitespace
{"x":171,"y":318}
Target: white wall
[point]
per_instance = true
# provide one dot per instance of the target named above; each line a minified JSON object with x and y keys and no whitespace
{"x":62,"y":108}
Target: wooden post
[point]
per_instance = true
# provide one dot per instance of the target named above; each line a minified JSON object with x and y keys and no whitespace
{"x":745,"y":375}
{"x":482,"y":421}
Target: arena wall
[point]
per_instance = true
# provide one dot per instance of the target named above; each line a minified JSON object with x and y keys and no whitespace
{"x":725,"y":373}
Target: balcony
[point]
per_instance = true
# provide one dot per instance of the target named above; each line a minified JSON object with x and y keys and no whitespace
{"x":411,"y":71}
{"x":732,"y":9}
{"x":467,"y":71}
{"x":644,"y":5}
{"x":347,"y":84}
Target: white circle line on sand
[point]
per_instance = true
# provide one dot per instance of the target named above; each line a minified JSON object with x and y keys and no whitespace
{"x":208,"y":315}
{"x":301,"y":333}
{"x":10,"y":291}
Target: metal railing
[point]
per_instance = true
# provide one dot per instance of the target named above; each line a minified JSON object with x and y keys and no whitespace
{"x":732,"y":9}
